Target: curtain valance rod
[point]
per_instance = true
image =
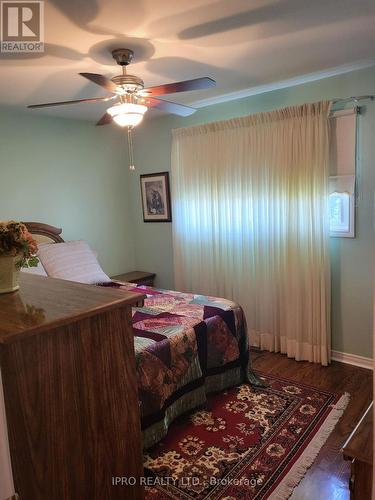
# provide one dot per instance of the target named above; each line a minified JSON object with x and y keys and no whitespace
{"x":353,"y":99}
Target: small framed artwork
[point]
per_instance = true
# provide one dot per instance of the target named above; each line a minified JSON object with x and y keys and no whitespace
{"x":156,"y":198}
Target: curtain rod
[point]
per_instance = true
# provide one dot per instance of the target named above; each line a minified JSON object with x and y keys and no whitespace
{"x":353,"y":99}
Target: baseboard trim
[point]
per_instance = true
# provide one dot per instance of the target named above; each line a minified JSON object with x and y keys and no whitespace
{"x":353,"y":359}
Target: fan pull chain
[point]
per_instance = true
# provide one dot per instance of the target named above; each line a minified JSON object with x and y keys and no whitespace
{"x":131,"y":150}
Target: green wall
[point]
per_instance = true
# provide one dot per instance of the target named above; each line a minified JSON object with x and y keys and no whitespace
{"x":70,"y":174}
{"x":351,"y":258}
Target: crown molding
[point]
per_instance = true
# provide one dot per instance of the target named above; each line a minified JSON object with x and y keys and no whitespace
{"x":282,"y":84}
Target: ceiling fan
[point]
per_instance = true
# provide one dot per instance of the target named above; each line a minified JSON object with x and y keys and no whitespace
{"x":133,"y":99}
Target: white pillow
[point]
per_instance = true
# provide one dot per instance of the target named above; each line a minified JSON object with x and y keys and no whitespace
{"x":39,"y":269}
{"x":73,"y":261}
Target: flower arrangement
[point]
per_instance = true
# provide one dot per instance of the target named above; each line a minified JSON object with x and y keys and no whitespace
{"x":16,"y":241}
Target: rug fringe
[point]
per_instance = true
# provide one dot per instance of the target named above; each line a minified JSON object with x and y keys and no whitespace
{"x":285,"y":489}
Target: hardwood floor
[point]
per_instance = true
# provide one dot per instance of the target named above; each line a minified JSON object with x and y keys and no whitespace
{"x":329,"y":475}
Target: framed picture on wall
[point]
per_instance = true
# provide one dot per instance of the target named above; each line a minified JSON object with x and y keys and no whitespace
{"x":156,"y":198}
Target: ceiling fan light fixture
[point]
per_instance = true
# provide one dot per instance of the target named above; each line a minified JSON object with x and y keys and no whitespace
{"x":127,"y":114}
{"x":132,"y":94}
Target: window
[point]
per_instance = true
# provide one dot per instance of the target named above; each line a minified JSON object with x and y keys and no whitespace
{"x":340,"y":214}
{"x":342,"y":170}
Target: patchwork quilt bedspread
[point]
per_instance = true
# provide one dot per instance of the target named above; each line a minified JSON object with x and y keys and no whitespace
{"x":186,"y":346}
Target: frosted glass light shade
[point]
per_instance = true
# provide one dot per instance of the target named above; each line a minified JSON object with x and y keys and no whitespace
{"x":127,"y":114}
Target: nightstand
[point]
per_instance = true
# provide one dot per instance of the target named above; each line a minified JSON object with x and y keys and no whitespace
{"x":139,"y":277}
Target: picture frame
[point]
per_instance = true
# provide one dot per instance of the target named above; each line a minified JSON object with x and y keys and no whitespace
{"x":156,"y":197}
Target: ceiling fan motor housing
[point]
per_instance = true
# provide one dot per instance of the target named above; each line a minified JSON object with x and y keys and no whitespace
{"x":129,"y":83}
{"x":123,"y":57}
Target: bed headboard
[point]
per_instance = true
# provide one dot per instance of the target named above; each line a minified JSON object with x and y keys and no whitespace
{"x":44,"y":233}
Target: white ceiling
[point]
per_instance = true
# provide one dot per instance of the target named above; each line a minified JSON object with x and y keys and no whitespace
{"x":242,"y":44}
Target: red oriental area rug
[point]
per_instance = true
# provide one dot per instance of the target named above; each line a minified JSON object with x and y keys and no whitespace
{"x":247,"y":443}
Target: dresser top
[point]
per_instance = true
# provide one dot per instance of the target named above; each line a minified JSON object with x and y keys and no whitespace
{"x":45,"y":303}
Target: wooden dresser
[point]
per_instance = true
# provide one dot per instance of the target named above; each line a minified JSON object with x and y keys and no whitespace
{"x":358,"y":449}
{"x":70,"y":390}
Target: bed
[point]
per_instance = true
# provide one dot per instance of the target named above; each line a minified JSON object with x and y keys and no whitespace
{"x":186,"y":346}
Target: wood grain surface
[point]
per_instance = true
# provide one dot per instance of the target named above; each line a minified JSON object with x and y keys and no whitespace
{"x":359,"y":443}
{"x":51,"y":232}
{"x":45,"y":303}
{"x":140,"y":277}
{"x":71,"y":398}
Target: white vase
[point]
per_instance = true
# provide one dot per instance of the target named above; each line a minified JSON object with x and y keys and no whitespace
{"x":9,"y":274}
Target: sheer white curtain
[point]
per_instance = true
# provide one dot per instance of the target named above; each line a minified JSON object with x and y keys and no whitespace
{"x":250,"y":223}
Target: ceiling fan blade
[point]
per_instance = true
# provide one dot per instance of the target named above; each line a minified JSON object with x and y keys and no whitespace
{"x":169,"y":107}
{"x":101,"y":80}
{"x":106,"y":119}
{"x":76,"y":101}
{"x":170,"y":88}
